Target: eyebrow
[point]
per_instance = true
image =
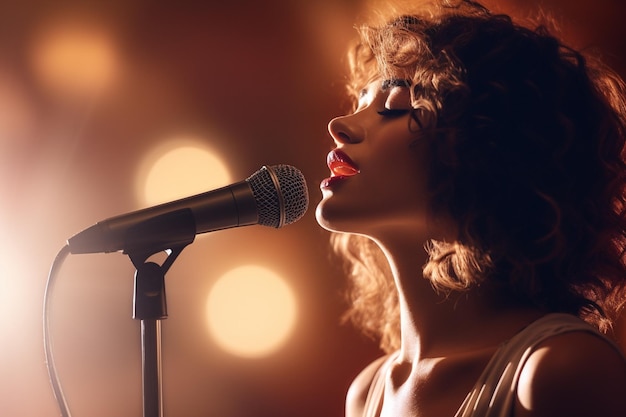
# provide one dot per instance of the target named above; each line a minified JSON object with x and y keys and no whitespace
{"x":395,"y":82}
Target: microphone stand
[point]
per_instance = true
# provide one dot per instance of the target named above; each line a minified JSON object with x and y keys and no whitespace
{"x":149,"y":300}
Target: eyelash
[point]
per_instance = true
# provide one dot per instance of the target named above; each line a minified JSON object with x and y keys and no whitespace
{"x":392,"y":112}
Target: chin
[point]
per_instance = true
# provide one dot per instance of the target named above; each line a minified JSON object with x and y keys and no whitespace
{"x":322,"y":219}
{"x":333,"y":219}
{"x":324,"y":216}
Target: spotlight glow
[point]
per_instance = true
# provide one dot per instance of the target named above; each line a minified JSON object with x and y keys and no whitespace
{"x":251,"y":311}
{"x":179,"y":169}
{"x":74,"y":57}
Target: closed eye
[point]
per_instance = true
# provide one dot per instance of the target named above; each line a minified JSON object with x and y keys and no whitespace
{"x":392,"y":112}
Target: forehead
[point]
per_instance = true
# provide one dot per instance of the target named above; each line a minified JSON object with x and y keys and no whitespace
{"x":383,"y":89}
{"x":383,"y":85}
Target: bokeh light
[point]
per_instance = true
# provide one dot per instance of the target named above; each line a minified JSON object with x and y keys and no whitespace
{"x":74,"y":56}
{"x":179,"y":168}
{"x":251,"y":311}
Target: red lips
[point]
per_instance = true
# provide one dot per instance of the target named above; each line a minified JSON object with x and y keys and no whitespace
{"x":340,"y":164}
{"x":341,"y":167}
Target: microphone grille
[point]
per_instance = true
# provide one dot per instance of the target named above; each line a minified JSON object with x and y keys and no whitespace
{"x":280,"y":193}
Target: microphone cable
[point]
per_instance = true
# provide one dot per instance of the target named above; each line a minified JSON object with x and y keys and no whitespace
{"x":47,"y":339}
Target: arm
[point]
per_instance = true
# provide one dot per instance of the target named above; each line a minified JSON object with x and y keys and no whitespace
{"x":574,"y":374}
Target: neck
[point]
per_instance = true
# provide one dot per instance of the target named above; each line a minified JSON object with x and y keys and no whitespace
{"x":438,"y":325}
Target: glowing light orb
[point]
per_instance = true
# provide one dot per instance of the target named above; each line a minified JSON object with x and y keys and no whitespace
{"x":251,"y":311}
{"x":180,"y":170}
{"x":74,"y":56}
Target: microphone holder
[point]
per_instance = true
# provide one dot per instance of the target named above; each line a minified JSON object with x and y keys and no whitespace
{"x":150,"y":304}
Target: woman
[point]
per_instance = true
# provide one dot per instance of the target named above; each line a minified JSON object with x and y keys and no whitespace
{"x":478,"y":188}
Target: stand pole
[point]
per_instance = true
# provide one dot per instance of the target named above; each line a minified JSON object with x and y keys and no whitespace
{"x":151,"y":367}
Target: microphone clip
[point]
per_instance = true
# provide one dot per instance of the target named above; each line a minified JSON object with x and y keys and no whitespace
{"x":171,"y":233}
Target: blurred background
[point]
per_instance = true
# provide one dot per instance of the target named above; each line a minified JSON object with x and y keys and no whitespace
{"x":107,"y":107}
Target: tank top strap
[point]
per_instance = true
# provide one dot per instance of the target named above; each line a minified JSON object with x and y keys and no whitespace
{"x":374,"y":400}
{"x":494,"y":392}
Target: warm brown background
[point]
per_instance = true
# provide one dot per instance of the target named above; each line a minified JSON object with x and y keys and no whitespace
{"x":261,"y":79}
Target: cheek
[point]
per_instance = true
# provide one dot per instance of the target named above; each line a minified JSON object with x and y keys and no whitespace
{"x":398,"y":164}
{"x":403,"y":175}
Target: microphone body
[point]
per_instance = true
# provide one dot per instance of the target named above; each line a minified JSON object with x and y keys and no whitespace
{"x":273,"y":196}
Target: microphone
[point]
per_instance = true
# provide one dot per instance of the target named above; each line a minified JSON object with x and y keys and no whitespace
{"x":274,"y":196}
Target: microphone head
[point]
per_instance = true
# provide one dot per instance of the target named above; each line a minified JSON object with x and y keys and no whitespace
{"x":281,"y":195}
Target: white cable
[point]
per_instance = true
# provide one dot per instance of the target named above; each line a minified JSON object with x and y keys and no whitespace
{"x":47,"y":340}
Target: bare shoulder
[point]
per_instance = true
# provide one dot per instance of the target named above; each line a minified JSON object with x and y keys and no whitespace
{"x":573,"y":374}
{"x":357,"y":393}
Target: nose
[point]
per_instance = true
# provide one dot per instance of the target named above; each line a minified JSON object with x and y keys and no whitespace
{"x":343,"y":130}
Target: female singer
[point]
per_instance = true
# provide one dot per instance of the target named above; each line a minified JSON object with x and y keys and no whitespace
{"x":477,"y":190}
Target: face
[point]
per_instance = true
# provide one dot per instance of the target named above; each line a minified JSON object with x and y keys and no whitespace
{"x":378,"y":182}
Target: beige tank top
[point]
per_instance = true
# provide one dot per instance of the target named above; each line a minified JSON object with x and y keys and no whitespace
{"x":494,"y":393}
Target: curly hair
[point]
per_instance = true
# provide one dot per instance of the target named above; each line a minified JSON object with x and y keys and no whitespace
{"x":526,"y":138}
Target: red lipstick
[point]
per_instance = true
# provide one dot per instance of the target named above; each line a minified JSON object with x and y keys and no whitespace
{"x":341,"y":167}
{"x":340,"y":163}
